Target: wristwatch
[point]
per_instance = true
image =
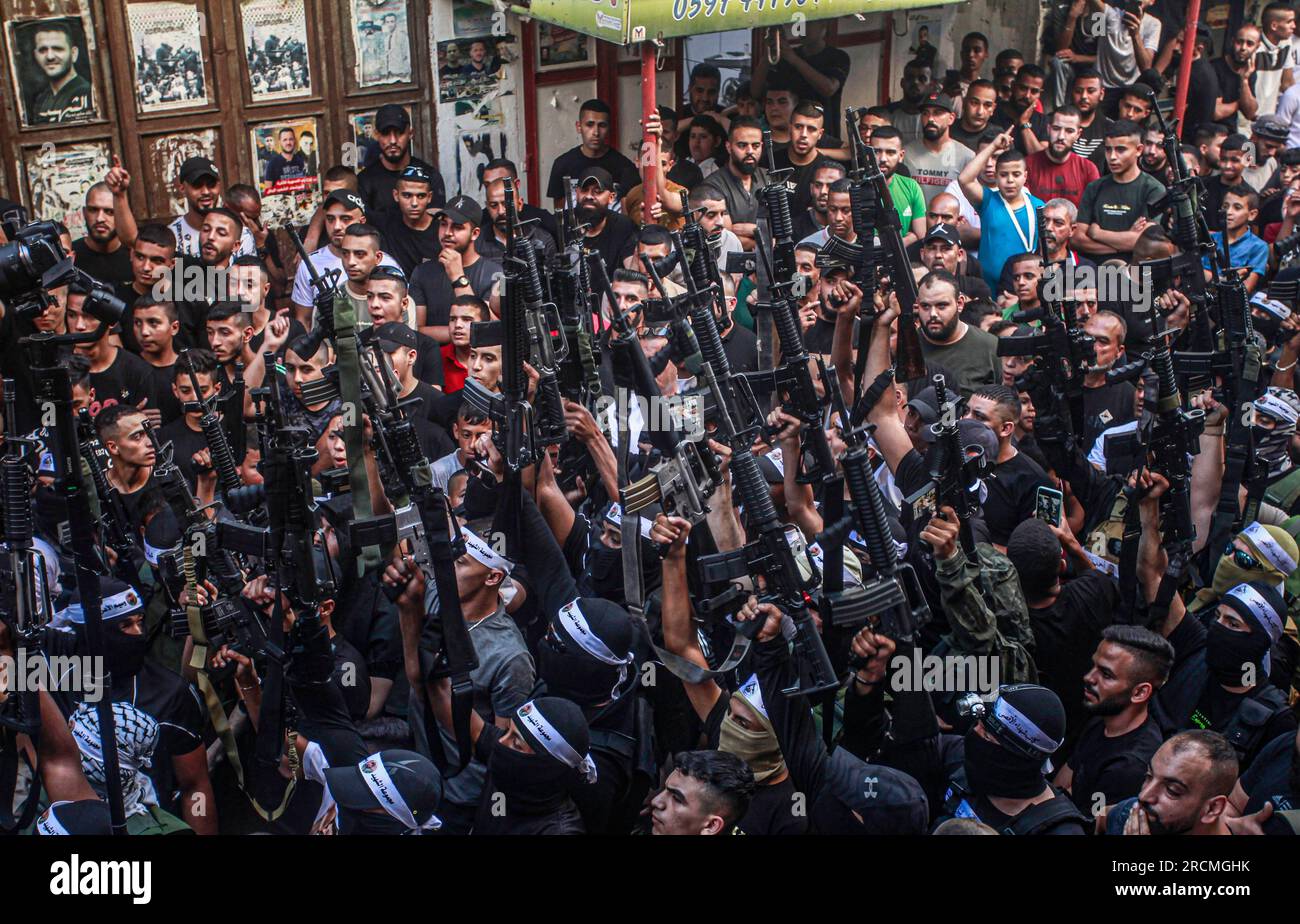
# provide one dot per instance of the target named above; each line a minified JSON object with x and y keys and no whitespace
{"x":460,"y":282}
{"x":1027,"y":126}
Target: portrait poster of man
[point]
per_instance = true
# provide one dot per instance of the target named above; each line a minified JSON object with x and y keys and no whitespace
{"x":166,"y":40}
{"x":473,"y":68}
{"x":288,"y":170}
{"x":275,"y":46}
{"x":166,"y":153}
{"x":381,"y":42}
{"x":53,"y":71}
{"x":57,"y":177}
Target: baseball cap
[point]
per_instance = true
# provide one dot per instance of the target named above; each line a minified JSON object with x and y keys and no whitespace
{"x":939,"y":101}
{"x":942,"y":232}
{"x":394,"y":335}
{"x":462,"y":210}
{"x":390,"y":116}
{"x":195,"y":168}
{"x":1270,"y":128}
{"x":347,"y":199}
{"x":599,"y":175}
{"x":404,"y":784}
{"x":977,"y":433}
{"x":925,"y":404}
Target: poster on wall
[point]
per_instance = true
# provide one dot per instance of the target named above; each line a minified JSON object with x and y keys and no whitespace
{"x":469,"y":17}
{"x":474,"y":68}
{"x":557,"y":45}
{"x":167,"y":42}
{"x":53,"y":70}
{"x":288,"y":170}
{"x":166,"y":153}
{"x":364,"y":149}
{"x":925,"y":34}
{"x":381,"y":42}
{"x":275,"y":48}
{"x":475,"y":149}
{"x":57,"y":177}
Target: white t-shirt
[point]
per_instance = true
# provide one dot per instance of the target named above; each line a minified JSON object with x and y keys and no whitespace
{"x":967,"y":210}
{"x":325,"y":261}
{"x":933,"y":172}
{"x":1270,"y":62}
{"x":1116,"y":58}
{"x":187,"y":239}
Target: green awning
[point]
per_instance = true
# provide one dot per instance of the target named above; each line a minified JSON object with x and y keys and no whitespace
{"x":625,"y":21}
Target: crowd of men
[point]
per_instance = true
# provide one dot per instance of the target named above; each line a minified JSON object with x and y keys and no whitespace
{"x":1135,"y":676}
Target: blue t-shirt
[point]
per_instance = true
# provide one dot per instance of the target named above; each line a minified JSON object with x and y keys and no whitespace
{"x":1250,"y":251}
{"x":999,"y":241}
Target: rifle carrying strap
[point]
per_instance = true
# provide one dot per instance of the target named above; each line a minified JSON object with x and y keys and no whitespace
{"x":217,"y":712}
{"x":349,"y":366}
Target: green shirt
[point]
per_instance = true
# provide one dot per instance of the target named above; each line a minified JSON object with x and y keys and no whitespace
{"x":909,"y":201}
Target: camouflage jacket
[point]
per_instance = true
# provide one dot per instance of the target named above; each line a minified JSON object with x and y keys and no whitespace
{"x":978,"y":628}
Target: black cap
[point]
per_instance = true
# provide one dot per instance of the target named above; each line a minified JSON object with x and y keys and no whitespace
{"x":486,"y":334}
{"x":942,"y":232}
{"x":197,"y":167}
{"x":346,"y":198}
{"x":939,"y":101}
{"x":417,"y":780}
{"x":597,"y":175}
{"x":390,"y":116}
{"x":925,"y":403}
{"x":462,"y":210}
{"x":394,"y":335}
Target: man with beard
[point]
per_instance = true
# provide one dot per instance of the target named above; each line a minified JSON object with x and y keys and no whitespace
{"x":909,"y":201}
{"x":800,"y":156}
{"x":942,"y":249}
{"x":179,"y":770}
{"x":1209,"y":143}
{"x":459,"y":270}
{"x":1110,"y":759}
{"x":999,"y":780}
{"x":1153,"y":160}
{"x":739,"y":181}
{"x":817,"y":194}
{"x":608,"y":233}
{"x":905,"y":114}
{"x":1268,"y":134}
{"x":66,"y":97}
{"x":289,"y":163}
{"x":377,"y":182}
{"x":1020,"y":112}
{"x":200,"y":184}
{"x":936,"y":159}
{"x":540,"y":217}
{"x":1185,"y":790}
{"x":977,"y":108}
{"x":592,"y":154}
{"x":1086,"y":95}
{"x":100,"y":252}
{"x":491,"y":242}
{"x":218,"y":245}
{"x":1235,"y":72}
{"x":969,"y":353}
{"x":1057,"y":171}
{"x":410,"y":234}
{"x":1105,"y":404}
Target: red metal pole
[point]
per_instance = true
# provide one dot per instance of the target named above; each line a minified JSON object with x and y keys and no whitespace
{"x":649,"y":142}
{"x":1185,"y":65}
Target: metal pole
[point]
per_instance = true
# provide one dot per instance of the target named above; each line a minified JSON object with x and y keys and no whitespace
{"x":1185,"y":65}
{"x":649,"y":142}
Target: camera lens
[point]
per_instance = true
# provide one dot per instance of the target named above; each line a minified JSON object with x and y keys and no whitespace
{"x":17,"y":276}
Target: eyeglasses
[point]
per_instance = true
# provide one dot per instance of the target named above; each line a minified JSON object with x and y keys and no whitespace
{"x":1243,"y":558}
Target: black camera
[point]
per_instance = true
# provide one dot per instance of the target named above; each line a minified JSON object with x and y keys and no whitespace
{"x":34,"y":262}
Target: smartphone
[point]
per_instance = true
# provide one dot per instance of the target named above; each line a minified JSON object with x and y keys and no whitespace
{"x":1048,"y":504}
{"x":923,"y":504}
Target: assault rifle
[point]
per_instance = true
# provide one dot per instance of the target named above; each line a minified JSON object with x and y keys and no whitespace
{"x":114,"y":524}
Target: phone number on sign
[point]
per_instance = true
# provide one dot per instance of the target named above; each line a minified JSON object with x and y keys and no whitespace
{"x":689,"y":9}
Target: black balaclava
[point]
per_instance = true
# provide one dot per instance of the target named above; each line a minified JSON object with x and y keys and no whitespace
{"x":537,"y":783}
{"x":1227,"y":653}
{"x":123,"y":654}
{"x":1028,"y":723}
{"x":587,"y":654}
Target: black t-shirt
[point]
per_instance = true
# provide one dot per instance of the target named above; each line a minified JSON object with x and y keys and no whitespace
{"x":968,"y":138}
{"x":1270,"y":775}
{"x":1114,"y":767}
{"x":1000,"y":820}
{"x":185,"y":442}
{"x":615,"y":242}
{"x":830,"y":62}
{"x":428,"y":360}
{"x":163,"y":377}
{"x":1012,"y":485}
{"x":741,"y":348}
{"x":110,"y":268}
{"x":575,"y":164}
{"x":798,"y":180}
{"x":685,"y":173}
{"x":771,"y":811}
{"x":541,"y":218}
{"x":1203,"y":91}
{"x":1106,"y":406}
{"x":431,"y":287}
{"x":1037,"y":123}
{"x":1092,"y":142}
{"x":1229,"y":89}
{"x":296,"y":330}
{"x":1066,"y":634}
{"x":407,"y":246}
{"x":376,"y":184}
{"x":805,"y":223}
{"x":128,"y":380}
